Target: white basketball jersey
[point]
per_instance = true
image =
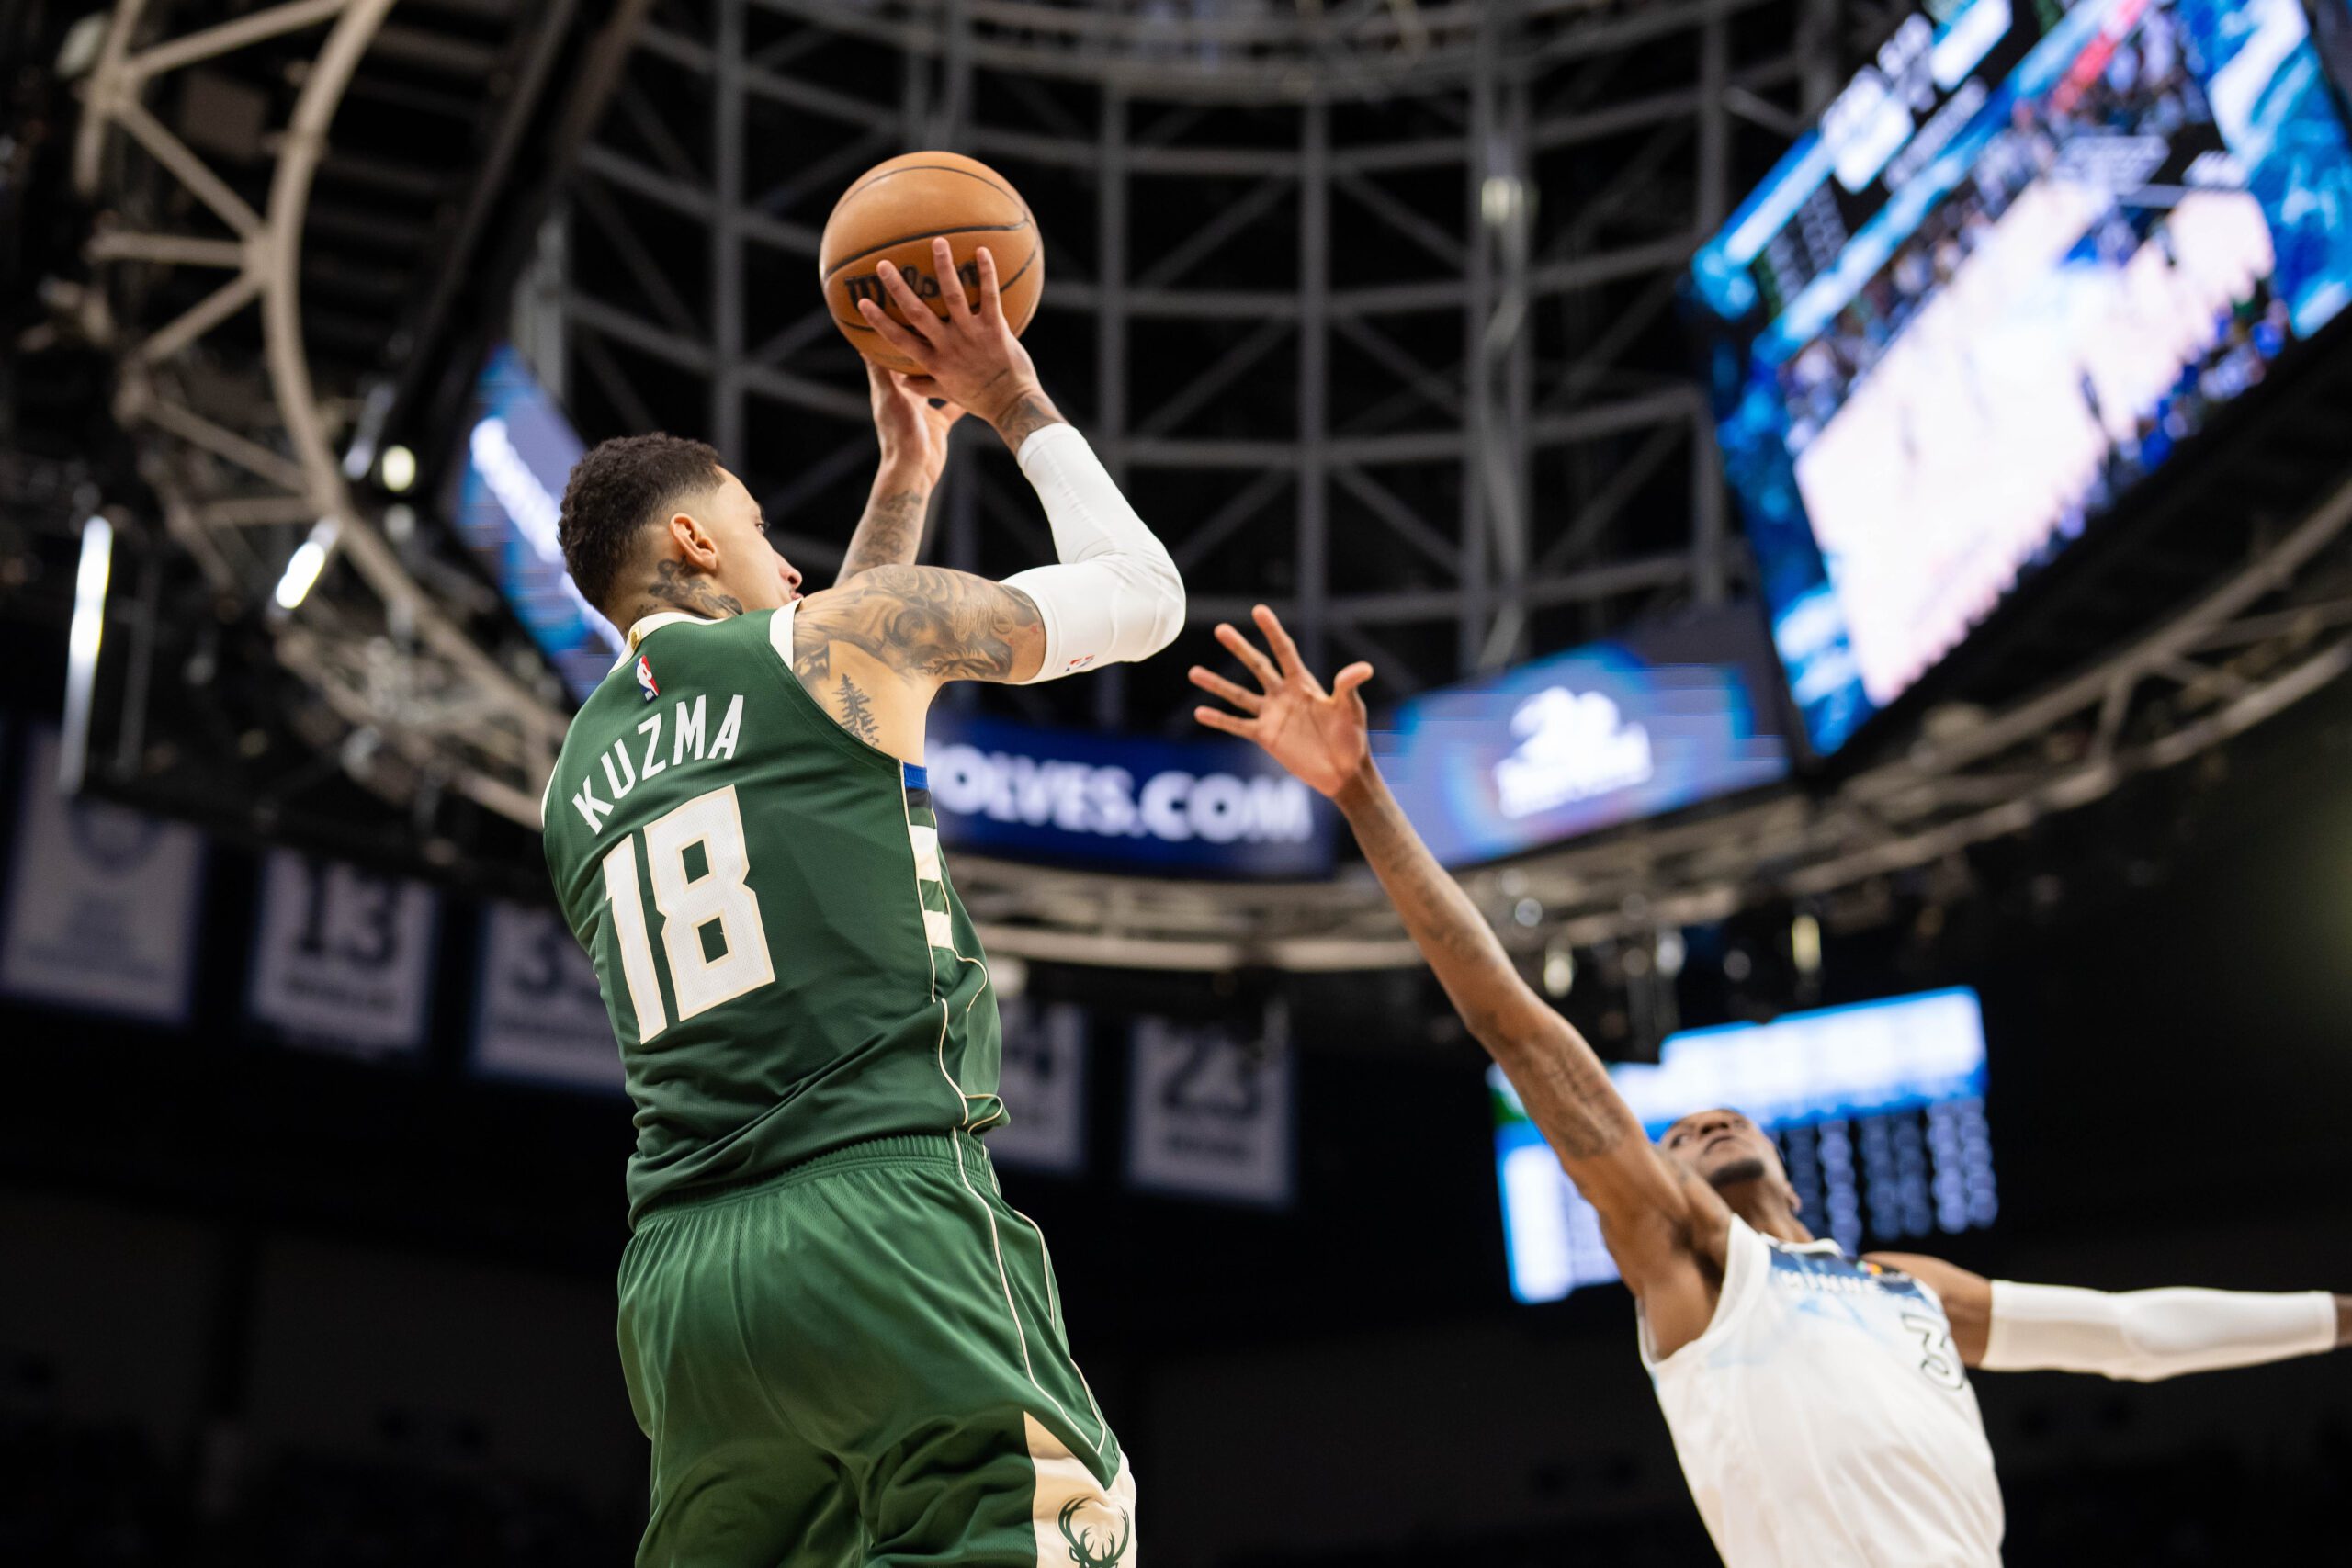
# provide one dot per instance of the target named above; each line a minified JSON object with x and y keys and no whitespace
{"x":1824,"y":1419}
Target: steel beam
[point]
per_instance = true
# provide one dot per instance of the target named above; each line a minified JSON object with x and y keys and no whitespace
{"x":730,"y":72}
{"x":1313,"y":458}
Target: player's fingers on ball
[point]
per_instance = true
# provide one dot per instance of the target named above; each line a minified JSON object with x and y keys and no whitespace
{"x":1241,"y":647}
{"x":1277,"y":638}
{"x":951,"y":282}
{"x":893,"y":334}
{"x":920,"y":316}
{"x":1215,"y":684}
{"x":1232,"y":723}
{"x":991,"y":292}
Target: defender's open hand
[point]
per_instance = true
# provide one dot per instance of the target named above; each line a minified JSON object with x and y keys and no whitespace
{"x":1322,"y":737}
{"x":969,"y":356}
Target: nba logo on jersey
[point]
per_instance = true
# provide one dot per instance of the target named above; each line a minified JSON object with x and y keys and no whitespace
{"x":645,"y":679}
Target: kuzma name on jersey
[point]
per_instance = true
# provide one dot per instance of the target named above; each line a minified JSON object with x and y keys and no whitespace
{"x":687,"y":724}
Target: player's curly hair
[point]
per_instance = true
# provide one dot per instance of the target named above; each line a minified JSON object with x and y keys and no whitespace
{"x":617,"y":488}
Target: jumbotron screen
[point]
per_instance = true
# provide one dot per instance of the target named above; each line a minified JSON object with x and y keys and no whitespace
{"x":1878,"y":1109}
{"x":507,"y":500}
{"x":2027,"y":252}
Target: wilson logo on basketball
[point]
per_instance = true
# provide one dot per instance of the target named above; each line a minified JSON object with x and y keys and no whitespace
{"x":924,"y":284}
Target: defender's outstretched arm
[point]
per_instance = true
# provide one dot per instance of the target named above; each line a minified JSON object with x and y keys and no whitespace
{"x":2143,"y":1335}
{"x":1656,"y":1218}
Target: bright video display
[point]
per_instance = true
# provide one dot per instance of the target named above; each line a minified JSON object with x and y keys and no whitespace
{"x":1878,"y":1109}
{"x":519,"y":453}
{"x":2027,"y":252}
{"x":1661,"y":716}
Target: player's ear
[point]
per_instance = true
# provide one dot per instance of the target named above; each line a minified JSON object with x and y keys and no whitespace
{"x":693,"y":541}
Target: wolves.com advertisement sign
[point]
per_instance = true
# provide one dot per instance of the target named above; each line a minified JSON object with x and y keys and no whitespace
{"x":1208,"y":807}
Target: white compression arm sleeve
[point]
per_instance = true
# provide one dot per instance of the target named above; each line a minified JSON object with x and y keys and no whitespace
{"x":1115,"y":596}
{"x":2148,"y":1335}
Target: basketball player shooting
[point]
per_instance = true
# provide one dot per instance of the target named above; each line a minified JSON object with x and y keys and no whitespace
{"x":1819,"y":1403}
{"x":845,"y":1348}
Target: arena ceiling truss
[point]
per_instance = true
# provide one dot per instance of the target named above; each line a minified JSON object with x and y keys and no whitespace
{"x":1372,"y":307}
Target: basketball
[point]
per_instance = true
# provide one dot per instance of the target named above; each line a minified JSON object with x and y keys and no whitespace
{"x":894,"y":210}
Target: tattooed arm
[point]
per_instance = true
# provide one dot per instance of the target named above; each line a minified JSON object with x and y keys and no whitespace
{"x":913,"y":435}
{"x":922,"y":625}
{"x":874,"y":651}
{"x":1657,"y":1218}
{"x":890,"y":533}
{"x":1665,"y":1227}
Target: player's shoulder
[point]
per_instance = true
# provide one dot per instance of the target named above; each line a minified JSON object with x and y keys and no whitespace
{"x":686,"y":646}
{"x":876,"y":587}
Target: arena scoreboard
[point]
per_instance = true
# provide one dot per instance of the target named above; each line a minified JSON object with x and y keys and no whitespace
{"x":1878,"y":1109}
{"x":2024,"y":256}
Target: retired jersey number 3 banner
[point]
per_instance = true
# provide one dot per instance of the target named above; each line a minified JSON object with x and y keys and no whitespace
{"x":539,"y":1015}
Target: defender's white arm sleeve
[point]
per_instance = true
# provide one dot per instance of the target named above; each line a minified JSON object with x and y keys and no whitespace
{"x":1115,"y":596}
{"x":2148,"y":1335}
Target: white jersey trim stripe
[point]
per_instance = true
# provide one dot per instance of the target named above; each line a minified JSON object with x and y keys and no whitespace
{"x":927,"y":854}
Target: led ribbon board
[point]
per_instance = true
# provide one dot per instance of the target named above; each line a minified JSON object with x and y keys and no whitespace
{"x":1878,"y":1108}
{"x":2026,"y":254}
{"x":1208,"y":806}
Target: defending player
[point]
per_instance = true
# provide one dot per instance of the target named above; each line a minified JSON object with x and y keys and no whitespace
{"x":845,"y":1348}
{"x":1818,"y":1402}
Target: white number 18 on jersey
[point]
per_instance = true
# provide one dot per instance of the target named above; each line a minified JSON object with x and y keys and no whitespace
{"x":688,"y":905}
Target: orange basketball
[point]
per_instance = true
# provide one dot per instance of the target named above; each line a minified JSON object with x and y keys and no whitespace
{"x":894,"y":211}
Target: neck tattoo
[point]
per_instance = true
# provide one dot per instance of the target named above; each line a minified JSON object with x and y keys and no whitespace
{"x":677,"y":586}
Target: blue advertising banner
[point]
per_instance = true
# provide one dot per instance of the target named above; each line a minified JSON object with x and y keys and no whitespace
{"x":519,"y":452}
{"x":1210,"y":806}
{"x":1659,"y":717}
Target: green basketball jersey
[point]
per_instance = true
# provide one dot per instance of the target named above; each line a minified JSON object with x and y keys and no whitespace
{"x":786,"y":967}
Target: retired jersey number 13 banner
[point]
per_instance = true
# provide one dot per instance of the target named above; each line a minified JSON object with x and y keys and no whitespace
{"x":345,"y":958}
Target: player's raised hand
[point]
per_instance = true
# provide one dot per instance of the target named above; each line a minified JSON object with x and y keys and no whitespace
{"x":1324,"y":738}
{"x":969,"y":354}
{"x":911,"y":429}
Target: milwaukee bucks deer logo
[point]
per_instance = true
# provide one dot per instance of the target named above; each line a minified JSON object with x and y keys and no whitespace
{"x":1081,"y":1544}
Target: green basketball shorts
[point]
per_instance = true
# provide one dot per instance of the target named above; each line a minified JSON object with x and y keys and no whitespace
{"x":861,"y":1361}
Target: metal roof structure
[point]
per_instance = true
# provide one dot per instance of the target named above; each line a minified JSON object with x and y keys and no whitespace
{"x":1372,"y":306}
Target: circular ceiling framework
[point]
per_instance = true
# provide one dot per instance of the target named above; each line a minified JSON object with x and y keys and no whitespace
{"x":1492,"y":428}
{"x":243,"y":456}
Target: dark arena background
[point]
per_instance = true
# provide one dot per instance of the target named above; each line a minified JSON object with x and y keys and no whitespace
{"x":1849,"y":503}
